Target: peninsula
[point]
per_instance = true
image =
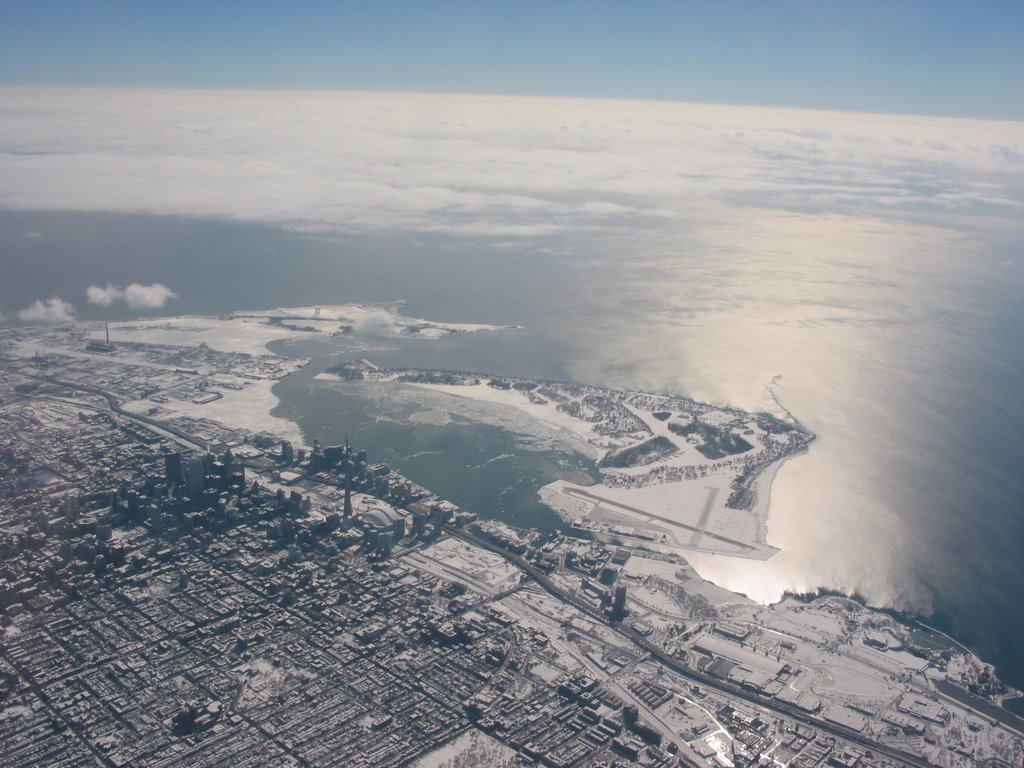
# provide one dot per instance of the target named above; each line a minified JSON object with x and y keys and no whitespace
{"x":676,"y":474}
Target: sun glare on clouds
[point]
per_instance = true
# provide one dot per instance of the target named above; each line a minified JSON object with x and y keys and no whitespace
{"x":482,"y":166}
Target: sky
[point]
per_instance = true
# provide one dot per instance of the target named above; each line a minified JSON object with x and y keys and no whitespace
{"x":926,"y":57}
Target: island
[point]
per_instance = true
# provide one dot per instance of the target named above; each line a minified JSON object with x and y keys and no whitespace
{"x":676,"y":474}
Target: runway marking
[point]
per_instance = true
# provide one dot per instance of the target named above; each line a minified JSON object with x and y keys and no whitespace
{"x":702,"y":524}
{"x":645,"y":514}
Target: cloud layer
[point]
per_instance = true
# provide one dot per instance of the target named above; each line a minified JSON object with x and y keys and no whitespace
{"x":493,"y":166}
{"x":136,"y":296}
{"x":53,"y":310}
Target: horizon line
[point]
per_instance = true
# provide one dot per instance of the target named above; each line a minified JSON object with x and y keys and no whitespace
{"x":498,"y":94}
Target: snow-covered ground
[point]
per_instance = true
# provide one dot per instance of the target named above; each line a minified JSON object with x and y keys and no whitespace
{"x":235,"y":391}
{"x":252,"y":331}
{"x":248,"y":408}
{"x":471,"y":748}
{"x":485,"y":572}
{"x":547,"y":415}
{"x":677,"y":501}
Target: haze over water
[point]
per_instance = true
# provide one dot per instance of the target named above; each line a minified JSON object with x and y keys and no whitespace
{"x":862,"y":272}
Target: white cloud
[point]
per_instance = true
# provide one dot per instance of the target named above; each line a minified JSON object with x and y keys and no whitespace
{"x":54,"y":310}
{"x":485,"y":166}
{"x":376,"y":322}
{"x":104,"y":296}
{"x":148,"y":296}
{"x":136,"y":295}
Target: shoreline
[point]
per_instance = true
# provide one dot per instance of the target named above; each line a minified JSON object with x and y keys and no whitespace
{"x":762,"y":485}
{"x":259,"y":400}
{"x":917,"y":622}
{"x":703,"y":495}
{"x":763,"y":495}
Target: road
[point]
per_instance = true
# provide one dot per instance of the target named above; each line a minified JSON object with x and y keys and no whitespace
{"x":115,"y":406}
{"x":545,"y":583}
{"x":762,"y":702}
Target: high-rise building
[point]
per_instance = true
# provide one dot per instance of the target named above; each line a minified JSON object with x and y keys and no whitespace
{"x":630,"y":714}
{"x":333,"y":454}
{"x":619,"y":603}
{"x":172,"y":469}
{"x":196,"y":478}
{"x":370,"y":537}
{"x":348,"y":490}
{"x":437,"y":516}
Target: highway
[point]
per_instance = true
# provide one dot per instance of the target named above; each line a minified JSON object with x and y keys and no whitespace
{"x":115,"y":406}
{"x":641,"y":642}
{"x":762,"y":702}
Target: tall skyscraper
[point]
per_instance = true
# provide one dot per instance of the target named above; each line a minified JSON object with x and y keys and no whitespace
{"x":172,"y":469}
{"x":437,"y":516}
{"x":348,"y":489}
{"x":196,"y":478}
{"x":619,"y":603}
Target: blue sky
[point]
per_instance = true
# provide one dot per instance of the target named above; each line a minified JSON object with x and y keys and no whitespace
{"x":907,"y":56}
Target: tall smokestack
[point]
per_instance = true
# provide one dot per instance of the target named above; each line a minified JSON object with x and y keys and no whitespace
{"x":106,"y":327}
